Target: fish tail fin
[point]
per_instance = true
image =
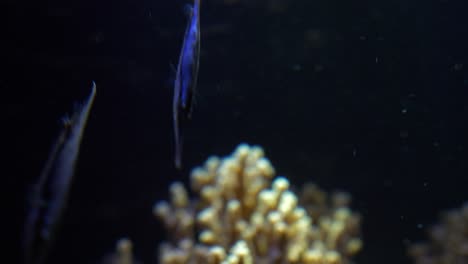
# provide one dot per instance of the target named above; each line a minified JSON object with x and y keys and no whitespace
{"x":178,"y":158}
{"x":178,"y":147}
{"x":178,"y":126}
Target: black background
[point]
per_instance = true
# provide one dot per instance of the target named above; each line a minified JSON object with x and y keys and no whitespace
{"x":364,"y":96}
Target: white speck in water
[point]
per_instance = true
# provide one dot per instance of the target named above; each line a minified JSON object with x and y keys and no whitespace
{"x":404,"y":111}
{"x":458,"y":66}
{"x":419,"y":226}
{"x":297,"y":67}
{"x":404,"y":133}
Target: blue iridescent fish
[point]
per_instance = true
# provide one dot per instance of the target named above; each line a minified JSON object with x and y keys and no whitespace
{"x":49,"y":195}
{"x":186,"y":79}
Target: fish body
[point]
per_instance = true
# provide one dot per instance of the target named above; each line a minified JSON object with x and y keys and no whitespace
{"x":48,"y":197}
{"x":186,"y":79}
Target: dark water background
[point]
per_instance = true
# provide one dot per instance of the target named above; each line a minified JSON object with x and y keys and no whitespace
{"x":364,"y":96}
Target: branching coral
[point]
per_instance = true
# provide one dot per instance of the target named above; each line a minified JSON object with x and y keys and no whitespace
{"x":448,"y":241}
{"x":123,"y":253}
{"x":243,"y":215}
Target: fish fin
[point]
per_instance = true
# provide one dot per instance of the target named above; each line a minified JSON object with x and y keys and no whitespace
{"x":79,"y":105}
{"x":66,"y":121}
{"x":93,"y":86}
{"x":178,"y":139}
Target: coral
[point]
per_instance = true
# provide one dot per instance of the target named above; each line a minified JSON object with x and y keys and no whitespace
{"x":123,"y":253}
{"x":245,"y":215}
{"x":448,"y":240}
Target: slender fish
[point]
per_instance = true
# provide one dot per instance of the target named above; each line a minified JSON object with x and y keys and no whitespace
{"x":49,"y":196}
{"x":186,"y":79}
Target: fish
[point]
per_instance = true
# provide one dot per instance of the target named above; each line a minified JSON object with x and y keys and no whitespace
{"x":48,"y":198}
{"x":186,"y":79}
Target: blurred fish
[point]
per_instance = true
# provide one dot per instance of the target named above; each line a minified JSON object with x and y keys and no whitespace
{"x":49,"y":195}
{"x":186,"y":79}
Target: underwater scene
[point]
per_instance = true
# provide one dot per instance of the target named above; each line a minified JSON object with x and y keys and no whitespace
{"x":235,"y":131}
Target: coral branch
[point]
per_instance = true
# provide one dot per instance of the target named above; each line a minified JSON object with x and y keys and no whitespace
{"x":244,"y":215}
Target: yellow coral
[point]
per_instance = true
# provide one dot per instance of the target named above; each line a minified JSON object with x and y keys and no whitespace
{"x":123,"y":253}
{"x":448,"y":240}
{"x":243,"y":215}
